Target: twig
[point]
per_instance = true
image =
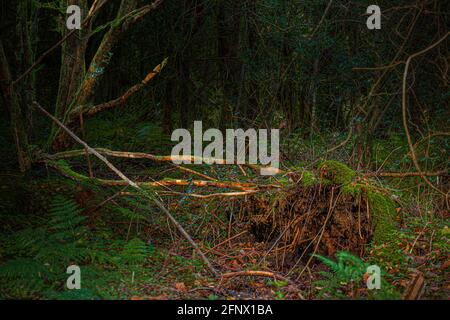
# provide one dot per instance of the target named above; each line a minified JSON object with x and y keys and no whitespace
{"x":254,"y":274}
{"x":157,"y":158}
{"x":349,"y":135}
{"x":227,"y":240}
{"x":406,"y":174}
{"x":212,"y":195}
{"x":321,"y":19}
{"x":83,"y":135}
{"x":418,"y":236}
{"x":194,"y":172}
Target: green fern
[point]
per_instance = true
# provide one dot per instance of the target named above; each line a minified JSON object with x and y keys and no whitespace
{"x":347,"y":268}
{"x":347,"y":271}
{"x":347,"y":274}
{"x":134,"y":252}
{"x":66,"y":238}
{"x":22,"y":278}
{"x":65,"y":219}
{"x":40,"y":255}
{"x":22,"y":268}
{"x":26,"y":242}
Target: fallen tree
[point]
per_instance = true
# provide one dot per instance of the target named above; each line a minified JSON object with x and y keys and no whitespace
{"x":298,"y":212}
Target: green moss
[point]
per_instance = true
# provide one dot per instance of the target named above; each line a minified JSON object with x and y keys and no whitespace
{"x":338,"y":172}
{"x":67,"y":170}
{"x":353,"y":189}
{"x":308,"y":179}
{"x":284,"y":181}
{"x":382,"y":209}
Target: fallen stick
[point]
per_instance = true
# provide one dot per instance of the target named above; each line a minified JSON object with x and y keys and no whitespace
{"x":267,"y":274}
{"x":227,"y":240}
{"x":415,"y":287}
{"x":130,"y":155}
{"x":200,"y":196}
{"x":212,"y":195}
{"x":132,"y":184}
{"x":406,"y":174}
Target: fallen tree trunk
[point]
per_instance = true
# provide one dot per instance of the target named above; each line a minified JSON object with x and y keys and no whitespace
{"x":65,"y":169}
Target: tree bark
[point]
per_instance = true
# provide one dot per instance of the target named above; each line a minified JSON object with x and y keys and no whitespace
{"x":13,"y":108}
{"x":77,"y":86}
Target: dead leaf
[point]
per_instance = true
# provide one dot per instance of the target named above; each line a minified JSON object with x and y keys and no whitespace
{"x":445,"y":265}
{"x":181,"y":287}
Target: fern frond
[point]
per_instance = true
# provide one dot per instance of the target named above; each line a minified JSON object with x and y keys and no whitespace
{"x":22,"y":268}
{"x":135,"y":251}
{"x":65,"y":218}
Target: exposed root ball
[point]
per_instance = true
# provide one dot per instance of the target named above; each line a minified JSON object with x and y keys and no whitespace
{"x":299,"y":219}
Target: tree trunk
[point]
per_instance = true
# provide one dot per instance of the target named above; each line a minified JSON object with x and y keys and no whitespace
{"x":13,"y":108}
{"x":72,"y":71}
{"x":228,"y":30}
{"x":77,"y":87}
{"x":26,"y":31}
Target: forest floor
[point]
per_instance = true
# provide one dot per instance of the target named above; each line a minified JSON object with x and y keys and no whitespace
{"x":128,"y":250}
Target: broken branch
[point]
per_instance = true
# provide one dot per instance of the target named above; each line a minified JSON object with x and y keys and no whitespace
{"x":90,"y":111}
{"x":134,"y":185}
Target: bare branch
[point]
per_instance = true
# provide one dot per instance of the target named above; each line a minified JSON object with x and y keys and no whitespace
{"x":90,"y":111}
{"x":404,"y":118}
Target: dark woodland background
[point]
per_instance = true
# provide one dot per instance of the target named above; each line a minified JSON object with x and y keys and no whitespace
{"x":337,"y":91}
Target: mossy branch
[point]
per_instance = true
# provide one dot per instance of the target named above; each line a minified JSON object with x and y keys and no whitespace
{"x":67,"y":171}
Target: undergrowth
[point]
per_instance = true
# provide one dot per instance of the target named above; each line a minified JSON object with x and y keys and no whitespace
{"x":34,"y":259}
{"x":120,"y":247}
{"x":347,"y":279}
